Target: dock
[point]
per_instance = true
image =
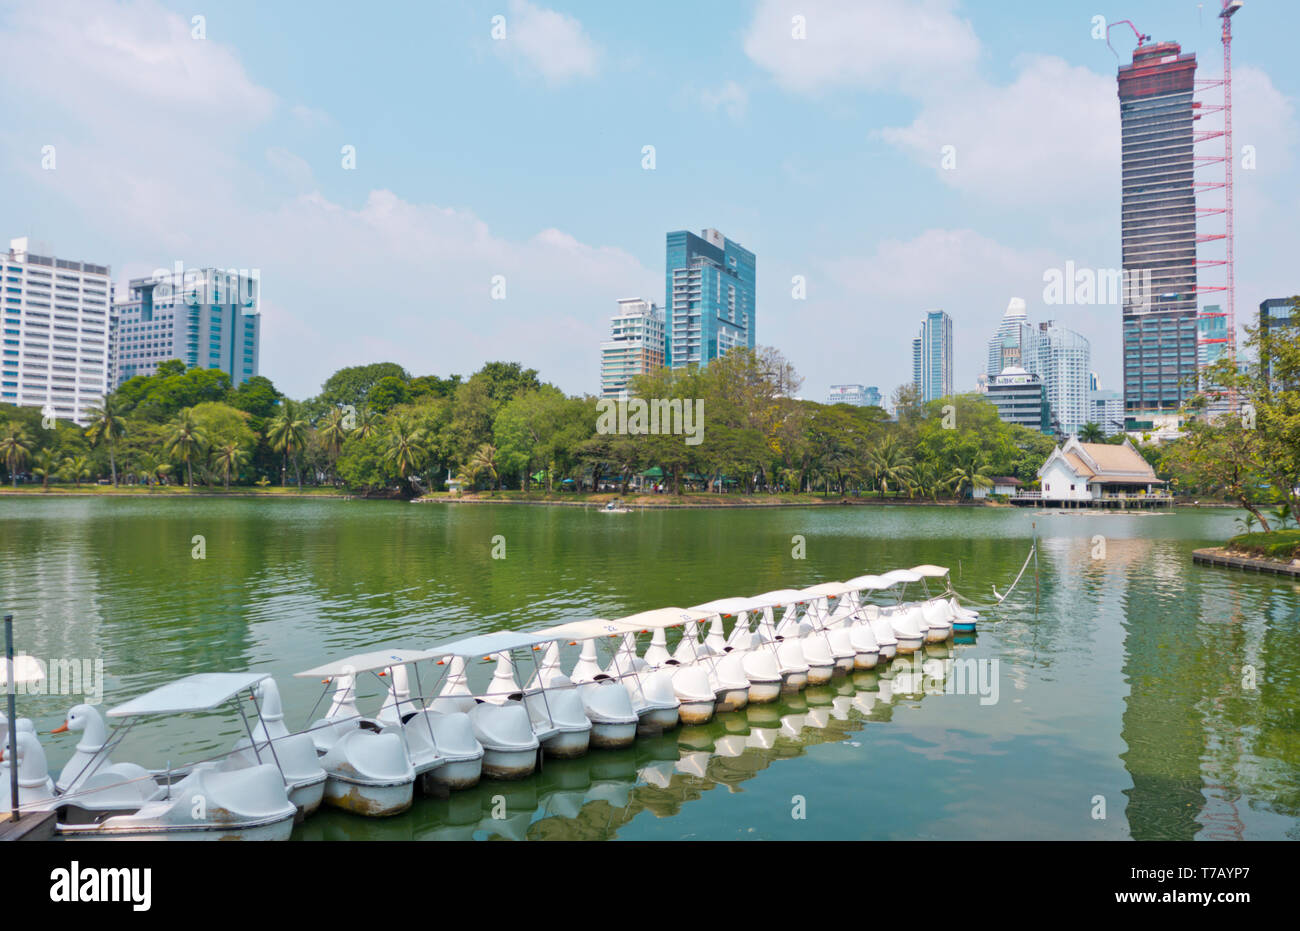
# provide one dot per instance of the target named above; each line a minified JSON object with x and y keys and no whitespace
{"x":1217,"y":556}
{"x":36,"y":825}
{"x":1035,"y":499}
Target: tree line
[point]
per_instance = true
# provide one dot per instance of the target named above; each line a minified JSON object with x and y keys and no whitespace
{"x":378,"y":430}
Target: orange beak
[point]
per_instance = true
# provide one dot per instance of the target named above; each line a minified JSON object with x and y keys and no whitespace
{"x":383,"y":674}
{"x":441,"y":662}
{"x":61,"y":729}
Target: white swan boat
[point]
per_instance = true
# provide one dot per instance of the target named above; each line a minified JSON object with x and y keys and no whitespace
{"x":961,"y":619}
{"x":869,"y":612}
{"x":795,"y":668}
{"x":821,"y":620}
{"x":551,"y":701}
{"x":651,"y":690}
{"x":696,"y":693}
{"x":370,"y":769}
{"x":737,"y":660}
{"x":227,"y":798}
{"x":505,"y":730}
{"x":606,"y":701}
{"x":934,"y":624}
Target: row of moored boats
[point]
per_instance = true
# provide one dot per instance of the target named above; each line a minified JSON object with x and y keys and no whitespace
{"x":724,"y":655}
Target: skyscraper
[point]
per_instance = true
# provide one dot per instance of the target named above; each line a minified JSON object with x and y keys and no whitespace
{"x":206,"y":318}
{"x":932,"y":357}
{"x":1062,"y":359}
{"x":709,"y":299}
{"x":1005,"y":346}
{"x":56,"y":332}
{"x":635,"y":345}
{"x":1158,"y":229}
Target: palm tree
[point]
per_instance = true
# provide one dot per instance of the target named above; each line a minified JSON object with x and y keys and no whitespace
{"x":1092,"y":433}
{"x":287,"y":433}
{"x":186,"y":440}
{"x":15,"y":446}
{"x":332,"y":432}
{"x":926,"y":481}
{"x":367,"y":422}
{"x":483,"y":460}
{"x":227,"y":457}
{"x":405,"y":450}
{"x":107,"y":426}
{"x":78,"y":467}
{"x":46,"y":465}
{"x":969,"y":477}
{"x":888,"y":464}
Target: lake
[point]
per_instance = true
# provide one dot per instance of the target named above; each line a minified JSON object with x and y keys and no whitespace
{"x":1137,"y":695}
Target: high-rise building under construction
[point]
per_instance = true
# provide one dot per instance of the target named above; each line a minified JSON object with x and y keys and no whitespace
{"x":1158,"y":229}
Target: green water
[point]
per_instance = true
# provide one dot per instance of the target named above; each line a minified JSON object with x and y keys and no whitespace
{"x":1120,"y":683}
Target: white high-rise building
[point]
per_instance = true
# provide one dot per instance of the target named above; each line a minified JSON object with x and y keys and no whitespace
{"x":1011,"y":335}
{"x":1062,"y":359}
{"x":206,"y":318}
{"x":635,"y":345}
{"x":56,"y":322}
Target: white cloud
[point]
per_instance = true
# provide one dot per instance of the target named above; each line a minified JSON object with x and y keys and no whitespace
{"x":1048,"y":138}
{"x":310,"y":117}
{"x":343,"y":284}
{"x":730,"y":98}
{"x":91,"y":55}
{"x":549,"y":43}
{"x":861,"y":43}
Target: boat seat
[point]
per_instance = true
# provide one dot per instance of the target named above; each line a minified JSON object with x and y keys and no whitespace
{"x":76,"y":815}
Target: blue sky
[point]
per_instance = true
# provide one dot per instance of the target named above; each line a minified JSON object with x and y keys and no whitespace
{"x":522,"y":157}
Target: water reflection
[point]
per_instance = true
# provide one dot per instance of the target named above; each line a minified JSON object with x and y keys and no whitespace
{"x":595,"y":796}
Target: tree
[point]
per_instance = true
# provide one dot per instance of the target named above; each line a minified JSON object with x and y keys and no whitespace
{"x":351,"y":386}
{"x":969,"y":477}
{"x":1221,"y":458}
{"x":483,"y":460}
{"x":287,"y":433}
{"x":47,"y":464}
{"x":186,"y":440}
{"x":405,"y":446}
{"x":888,"y":464}
{"x":257,"y":397}
{"x":229,"y":457}
{"x":1268,"y":395}
{"x":1092,"y":433}
{"x":15,"y":446}
{"x":332,"y":433}
{"x":107,"y":427}
{"x":78,"y":467}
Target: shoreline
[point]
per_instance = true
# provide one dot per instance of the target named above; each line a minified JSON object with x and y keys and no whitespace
{"x":1224,"y":558}
{"x":664,"y":502}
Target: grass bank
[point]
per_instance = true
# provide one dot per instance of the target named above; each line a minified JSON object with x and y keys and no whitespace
{"x":181,"y":491}
{"x":585,"y":499}
{"x":1275,"y":544}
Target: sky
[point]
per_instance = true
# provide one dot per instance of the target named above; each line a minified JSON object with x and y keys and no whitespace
{"x":899,"y":156}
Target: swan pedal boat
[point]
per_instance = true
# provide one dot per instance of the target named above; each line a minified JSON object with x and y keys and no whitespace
{"x":225,"y":799}
{"x":371,"y":763}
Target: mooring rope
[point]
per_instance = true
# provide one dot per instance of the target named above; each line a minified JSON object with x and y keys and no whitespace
{"x":1033,"y":549}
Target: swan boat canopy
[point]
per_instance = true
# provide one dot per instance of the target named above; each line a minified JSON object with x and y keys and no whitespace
{"x":213,"y":800}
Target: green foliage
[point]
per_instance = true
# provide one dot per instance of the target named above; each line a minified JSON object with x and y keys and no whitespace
{"x":351,"y":385}
{"x":1277,"y":544}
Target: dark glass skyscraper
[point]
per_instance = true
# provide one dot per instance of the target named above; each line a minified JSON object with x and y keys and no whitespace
{"x":710,"y":297}
{"x":1158,"y":229}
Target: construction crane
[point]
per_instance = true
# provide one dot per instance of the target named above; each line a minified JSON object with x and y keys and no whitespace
{"x":1140,"y":37}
